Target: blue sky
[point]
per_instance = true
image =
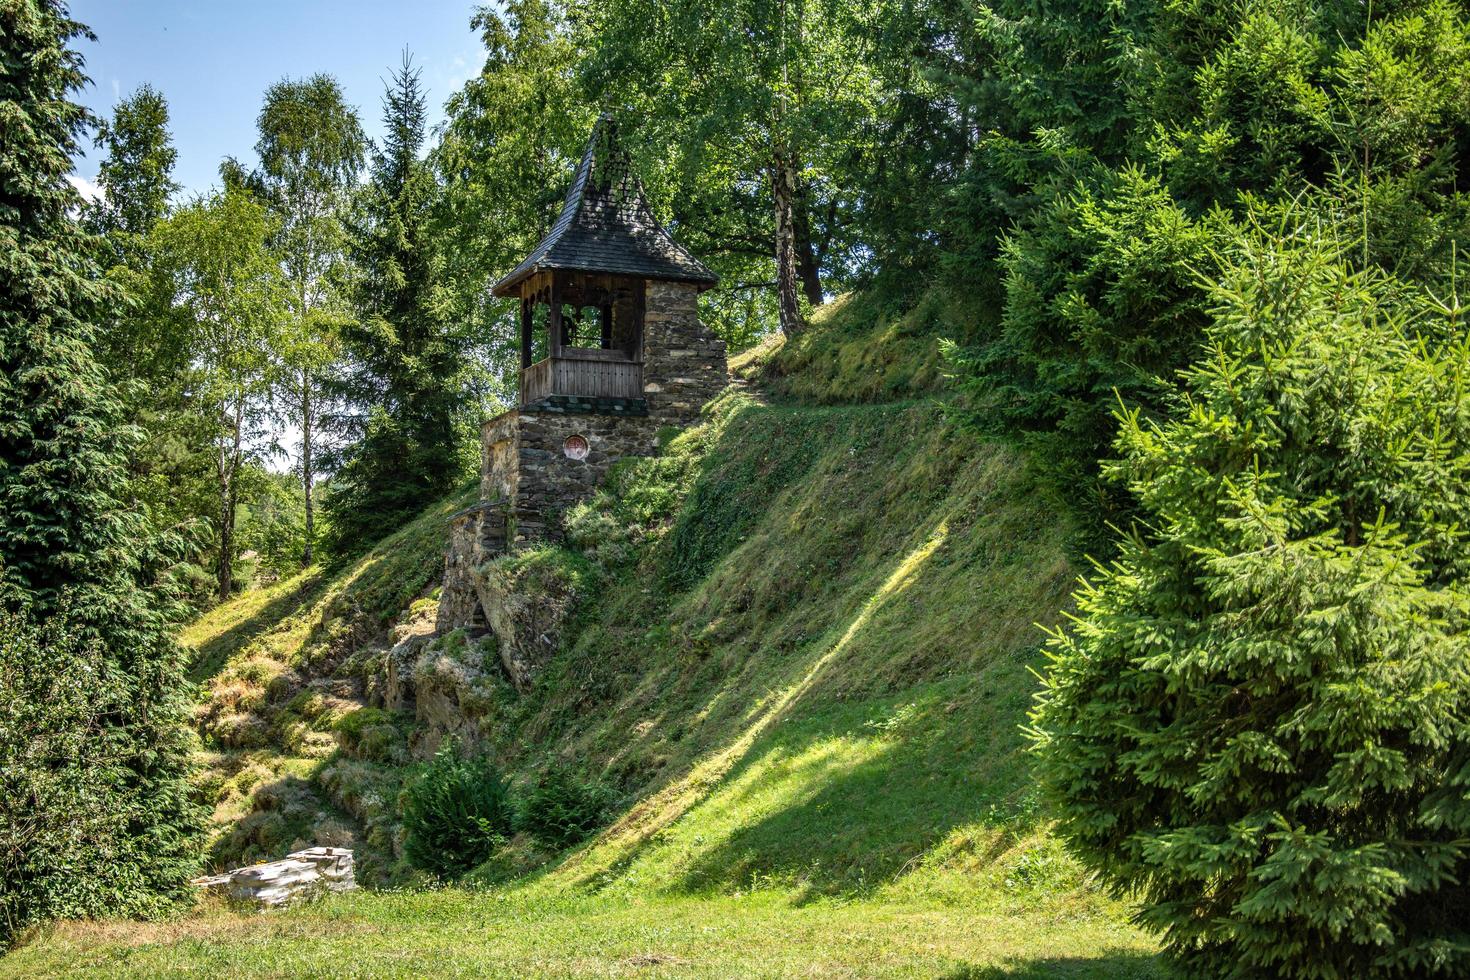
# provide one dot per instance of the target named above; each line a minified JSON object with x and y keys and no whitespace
{"x":213,"y":60}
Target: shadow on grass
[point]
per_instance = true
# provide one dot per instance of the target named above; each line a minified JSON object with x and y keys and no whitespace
{"x":848,"y":826}
{"x":212,"y":656}
{"x":283,"y":811}
{"x":1109,"y":965}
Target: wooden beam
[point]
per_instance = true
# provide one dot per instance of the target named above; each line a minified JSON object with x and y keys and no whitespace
{"x":640,"y":306}
{"x":553,"y":320}
{"x":527,"y":325}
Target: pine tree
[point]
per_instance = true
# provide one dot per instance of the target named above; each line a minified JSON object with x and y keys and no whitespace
{"x":68,"y":545}
{"x":408,"y":367}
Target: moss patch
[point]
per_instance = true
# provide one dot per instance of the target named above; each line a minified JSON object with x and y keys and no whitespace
{"x":861,"y":347}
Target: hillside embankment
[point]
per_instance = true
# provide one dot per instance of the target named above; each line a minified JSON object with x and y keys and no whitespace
{"x":796,"y":648}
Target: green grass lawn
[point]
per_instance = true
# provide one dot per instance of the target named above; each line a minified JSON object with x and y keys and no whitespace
{"x":801,"y":666}
{"x":456,"y":933}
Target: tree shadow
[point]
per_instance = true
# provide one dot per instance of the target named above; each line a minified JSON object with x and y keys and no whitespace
{"x":210,"y":657}
{"x":853,"y":826}
{"x":1107,"y":965}
{"x":283,"y":812}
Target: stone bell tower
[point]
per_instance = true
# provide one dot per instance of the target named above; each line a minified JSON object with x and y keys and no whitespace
{"x":612,"y":350}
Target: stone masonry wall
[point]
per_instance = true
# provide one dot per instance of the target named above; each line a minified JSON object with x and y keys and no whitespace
{"x":476,"y":534}
{"x":499,"y":446}
{"x":684,"y":363}
{"x":528,"y":480}
{"x":549,"y":482}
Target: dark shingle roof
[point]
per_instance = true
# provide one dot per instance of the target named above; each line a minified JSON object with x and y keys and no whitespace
{"x":606,"y":225}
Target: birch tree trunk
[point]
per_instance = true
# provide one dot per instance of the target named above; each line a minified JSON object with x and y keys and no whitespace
{"x":783,"y":192}
{"x":307,"y":464}
{"x":228,"y":467}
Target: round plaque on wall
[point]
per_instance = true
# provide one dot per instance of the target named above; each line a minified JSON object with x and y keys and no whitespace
{"x":575,"y":447}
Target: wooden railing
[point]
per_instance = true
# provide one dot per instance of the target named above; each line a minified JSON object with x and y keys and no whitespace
{"x":587,"y":373}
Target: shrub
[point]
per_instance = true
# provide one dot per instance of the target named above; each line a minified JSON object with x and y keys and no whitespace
{"x":558,"y":810}
{"x":62,"y":832}
{"x":372,"y":734}
{"x":352,"y":725}
{"x":1260,"y":721}
{"x":455,"y":814}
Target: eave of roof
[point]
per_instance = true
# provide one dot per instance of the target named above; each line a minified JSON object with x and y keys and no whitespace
{"x":606,"y":226}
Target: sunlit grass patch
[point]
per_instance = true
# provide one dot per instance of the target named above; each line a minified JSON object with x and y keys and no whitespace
{"x":453,"y":933}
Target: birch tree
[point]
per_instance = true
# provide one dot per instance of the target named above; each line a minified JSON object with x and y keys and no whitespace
{"x":228,"y":290}
{"x":311,"y":150}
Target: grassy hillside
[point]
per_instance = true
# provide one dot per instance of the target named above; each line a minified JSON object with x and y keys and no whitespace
{"x":865,"y":347}
{"x":813,"y":673}
{"x":799,"y":660}
{"x":273,"y":688}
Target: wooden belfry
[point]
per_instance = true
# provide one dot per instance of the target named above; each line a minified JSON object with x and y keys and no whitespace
{"x":613,"y":353}
{"x":584,"y":286}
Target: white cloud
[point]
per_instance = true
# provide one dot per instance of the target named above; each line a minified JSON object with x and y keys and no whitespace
{"x":461,"y":69}
{"x":88,"y":189}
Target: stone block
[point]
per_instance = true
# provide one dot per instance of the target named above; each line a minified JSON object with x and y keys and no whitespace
{"x":304,"y":874}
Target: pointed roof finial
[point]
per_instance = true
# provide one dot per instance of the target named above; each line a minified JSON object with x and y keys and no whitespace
{"x":606,"y":225}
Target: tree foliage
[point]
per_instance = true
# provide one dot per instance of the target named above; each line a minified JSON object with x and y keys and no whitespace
{"x":1191,"y":112}
{"x":64,"y":844}
{"x":311,"y":150}
{"x":408,"y":367}
{"x":756,"y":115}
{"x":73,"y":559}
{"x":1261,"y":719}
{"x":136,"y":173}
{"x":513,"y":135}
{"x":228,"y":299}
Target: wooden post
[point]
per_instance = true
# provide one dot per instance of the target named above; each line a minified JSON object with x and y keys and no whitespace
{"x":553,"y":320}
{"x":526,"y":328}
{"x":605,"y":316}
{"x":640,"y":307}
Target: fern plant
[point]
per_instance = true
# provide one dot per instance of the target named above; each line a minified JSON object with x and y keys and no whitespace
{"x":455,"y":814}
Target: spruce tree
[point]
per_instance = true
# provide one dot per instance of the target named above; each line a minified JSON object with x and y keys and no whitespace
{"x":69,"y":547}
{"x":1259,"y":724}
{"x":409,"y":367}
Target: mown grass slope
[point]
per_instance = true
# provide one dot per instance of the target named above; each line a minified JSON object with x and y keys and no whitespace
{"x":812,"y":672}
{"x":800,"y":659}
{"x":865,"y":347}
{"x":508,"y":933}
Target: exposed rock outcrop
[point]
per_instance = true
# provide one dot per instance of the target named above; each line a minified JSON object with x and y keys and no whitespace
{"x":526,"y":604}
{"x":442,"y":679}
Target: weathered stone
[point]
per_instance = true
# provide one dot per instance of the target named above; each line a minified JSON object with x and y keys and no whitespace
{"x":526,"y":618}
{"x":399,"y":693}
{"x":540,"y":460}
{"x":443,"y":675}
{"x":684,"y":363}
{"x":303,"y":874}
{"x":334,"y":864}
{"x":475,"y":534}
{"x":548,"y":482}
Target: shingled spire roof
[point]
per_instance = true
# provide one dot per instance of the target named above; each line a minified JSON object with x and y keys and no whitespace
{"x":606,"y":225}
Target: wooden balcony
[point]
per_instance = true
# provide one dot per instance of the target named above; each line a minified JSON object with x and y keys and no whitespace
{"x":585,"y":373}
